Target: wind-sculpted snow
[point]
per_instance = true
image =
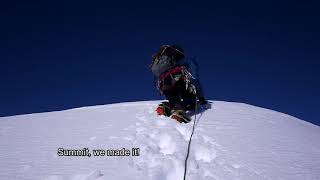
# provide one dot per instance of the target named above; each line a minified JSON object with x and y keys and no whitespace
{"x":231,"y":141}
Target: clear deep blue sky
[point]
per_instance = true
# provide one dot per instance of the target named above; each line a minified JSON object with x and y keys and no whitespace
{"x":60,"y":55}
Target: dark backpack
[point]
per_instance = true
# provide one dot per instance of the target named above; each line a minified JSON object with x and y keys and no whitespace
{"x":161,"y":65}
{"x":166,"y":59}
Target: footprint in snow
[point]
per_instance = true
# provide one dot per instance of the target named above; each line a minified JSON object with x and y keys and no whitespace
{"x":167,"y":144}
{"x":184,"y":131}
{"x":205,"y":154}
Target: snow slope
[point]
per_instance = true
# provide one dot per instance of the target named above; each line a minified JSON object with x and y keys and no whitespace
{"x":231,"y":141}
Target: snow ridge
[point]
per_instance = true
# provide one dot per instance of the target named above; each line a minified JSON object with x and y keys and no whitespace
{"x":231,"y":141}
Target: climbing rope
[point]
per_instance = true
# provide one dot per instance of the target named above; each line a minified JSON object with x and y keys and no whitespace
{"x":194,"y":123}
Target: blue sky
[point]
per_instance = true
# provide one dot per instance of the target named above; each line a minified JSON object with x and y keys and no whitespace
{"x":57,"y":56}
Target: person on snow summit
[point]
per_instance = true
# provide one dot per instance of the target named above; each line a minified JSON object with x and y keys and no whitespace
{"x":176,"y":79}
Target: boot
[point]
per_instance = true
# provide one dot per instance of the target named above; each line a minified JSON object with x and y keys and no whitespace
{"x":164,"y":109}
{"x":180,"y":116}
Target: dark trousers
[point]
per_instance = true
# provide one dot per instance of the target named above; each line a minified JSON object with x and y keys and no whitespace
{"x":179,"y":97}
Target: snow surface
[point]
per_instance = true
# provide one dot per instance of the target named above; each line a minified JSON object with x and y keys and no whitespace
{"x":231,"y":141}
